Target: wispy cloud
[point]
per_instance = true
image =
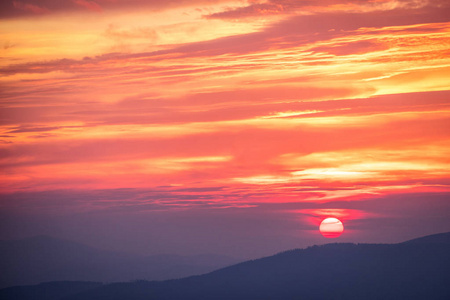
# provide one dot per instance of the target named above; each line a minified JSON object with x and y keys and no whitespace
{"x":90,"y":5}
{"x":272,"y":7}
{"x":28,"y":7}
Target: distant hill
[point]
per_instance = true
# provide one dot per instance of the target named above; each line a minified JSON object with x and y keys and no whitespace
{"x":418,"y":269}
{"x":42,"y":258}
{"x":440,"y":238}
{"x":55,"y":290}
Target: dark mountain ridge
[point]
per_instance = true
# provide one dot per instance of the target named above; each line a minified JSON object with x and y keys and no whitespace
{"x":416,"y":269}
{"x":439,"y":238}
{"x":43,"y":258}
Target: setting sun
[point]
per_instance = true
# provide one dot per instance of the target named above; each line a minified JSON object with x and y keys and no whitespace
{"x":331,"y":228}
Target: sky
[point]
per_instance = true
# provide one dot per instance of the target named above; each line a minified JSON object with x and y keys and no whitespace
{"x":224,"y":126}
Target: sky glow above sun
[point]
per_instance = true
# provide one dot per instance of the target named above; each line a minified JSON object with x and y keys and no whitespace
{"x":198,"y":105}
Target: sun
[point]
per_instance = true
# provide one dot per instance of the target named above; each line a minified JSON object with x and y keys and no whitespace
{"x":331,"y":228}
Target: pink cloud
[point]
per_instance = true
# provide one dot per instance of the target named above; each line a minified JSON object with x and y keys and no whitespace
{"x":252,"y":151}
{"x":90,"y":5}
{"x":35,"y":9}
{"x":258,"y":9}
{"x":15,"y":8}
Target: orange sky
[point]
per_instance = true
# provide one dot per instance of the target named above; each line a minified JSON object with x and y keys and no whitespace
{"x":200,"y":105}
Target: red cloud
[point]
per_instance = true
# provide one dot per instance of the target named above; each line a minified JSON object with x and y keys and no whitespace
{"x":255,"y":9}
{"x":29,"y":7}
{"x":14,"y":8}
{"x":91,"y":5}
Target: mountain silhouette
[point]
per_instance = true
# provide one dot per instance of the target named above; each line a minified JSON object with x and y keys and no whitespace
{"x":416,"y":269}
{"x":440,"y":238}
{"x":55,"y":290}
{"x":43,"y":258}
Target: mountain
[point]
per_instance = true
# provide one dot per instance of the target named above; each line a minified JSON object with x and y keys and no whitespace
{"x":417,"y":269}
{"x":48,"y":291}
{"x":440,"y":238}
{"x":42,"y":258}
